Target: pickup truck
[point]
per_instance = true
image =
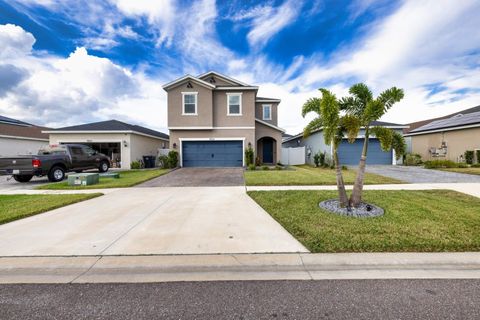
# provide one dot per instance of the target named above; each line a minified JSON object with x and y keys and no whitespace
{"x":54,"y":161}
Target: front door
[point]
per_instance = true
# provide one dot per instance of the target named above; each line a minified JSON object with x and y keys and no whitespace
{"x":268,"y":151}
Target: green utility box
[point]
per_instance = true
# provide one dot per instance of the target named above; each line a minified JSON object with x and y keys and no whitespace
{"x":83,"y":179}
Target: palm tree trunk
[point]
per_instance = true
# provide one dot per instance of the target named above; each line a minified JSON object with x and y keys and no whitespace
{"x":357,"y":191}
{"x":342,"y":193}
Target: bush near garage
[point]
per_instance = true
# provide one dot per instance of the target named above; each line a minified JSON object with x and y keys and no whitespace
{"x":469,"y":156}
{"x":170,"y":160}
{"x":478,"y":156}
{"x":135,"y":165}
{"x":434,"y":164}
{"x":413,"y":159}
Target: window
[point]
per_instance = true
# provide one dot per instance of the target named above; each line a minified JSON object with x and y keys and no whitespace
{"x":189,"y":103}
{"x":267,"y":112}
{"x":234,"y":101}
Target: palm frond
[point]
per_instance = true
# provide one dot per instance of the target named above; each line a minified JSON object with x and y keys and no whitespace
{"x":361,"y":92}
{"x":385,"y":136}
{"x":399,"y":144}
{"x":351,"y":125}
{"x":315,"y":124}
{"x":312,"y":105}
{"x":390,"y":96}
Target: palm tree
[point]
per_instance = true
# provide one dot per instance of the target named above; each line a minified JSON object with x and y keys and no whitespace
{"x":365,"y":109}
{"x":334,"y":126}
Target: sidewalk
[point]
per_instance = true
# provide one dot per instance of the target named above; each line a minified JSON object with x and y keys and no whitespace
{"x":167,"y":268}
{"x":472,"y":189}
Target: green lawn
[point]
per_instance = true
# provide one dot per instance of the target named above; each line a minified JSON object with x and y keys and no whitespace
{"x":424,"y":221}
{"x":463,"y":170}
{"x":13,"y":207}
{"x":306,"y":175}
{"x":127,"y":179}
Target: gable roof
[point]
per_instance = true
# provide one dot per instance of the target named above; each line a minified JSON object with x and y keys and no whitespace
{"x":418,"y":124}
{"x":187,"y":77}
{"x":234,"y":82}
{"x":110,"y":126}
{"x":373,"y":123}
{"x":13,"y":121}
{"x":270,"y":125}
{"x":454,"y":122}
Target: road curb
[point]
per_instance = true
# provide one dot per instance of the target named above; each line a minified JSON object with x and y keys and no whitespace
{"x":223,"y":267}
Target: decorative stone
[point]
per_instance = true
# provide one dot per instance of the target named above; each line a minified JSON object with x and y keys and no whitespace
{"x":364,"y":210}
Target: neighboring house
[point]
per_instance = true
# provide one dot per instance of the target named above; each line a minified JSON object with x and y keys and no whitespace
{"x":348,"y":153}
{"x":18,"y":137}
{"x":121,"y":141}
{"x":213,"y":118}
{"x":447,"y":138}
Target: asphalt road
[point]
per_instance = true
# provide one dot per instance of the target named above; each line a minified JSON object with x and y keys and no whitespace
{"x":330,"y":299}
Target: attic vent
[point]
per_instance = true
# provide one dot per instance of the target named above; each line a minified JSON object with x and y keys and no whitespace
{"x":189,"y":85}
{"x":212,"y":80}
{"x":458,"y":115}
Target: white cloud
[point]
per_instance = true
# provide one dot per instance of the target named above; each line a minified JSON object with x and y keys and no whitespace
{"x":160,"y":13}
{"x":55,"y":91}
{"x":14,"y":41}
{"x":267,"y":21}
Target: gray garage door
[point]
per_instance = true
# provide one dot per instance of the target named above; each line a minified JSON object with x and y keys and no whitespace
{"x":349,"y":153}
{"x":212,"y":153}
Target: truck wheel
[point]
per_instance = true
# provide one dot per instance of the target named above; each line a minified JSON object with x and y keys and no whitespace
{"x":23,"y":178}
{"x":103,"y":166}
{"x":56,"y":174}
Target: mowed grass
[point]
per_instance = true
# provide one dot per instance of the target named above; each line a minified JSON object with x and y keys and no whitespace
{"x":127,"y":179}
{"x":306,"y":175}
{"x":463,"y":170}
{"x":13,"y":207}
{"x":424,"y":221}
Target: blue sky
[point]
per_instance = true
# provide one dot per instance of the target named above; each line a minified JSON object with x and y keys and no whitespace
{"x":67,"y":62}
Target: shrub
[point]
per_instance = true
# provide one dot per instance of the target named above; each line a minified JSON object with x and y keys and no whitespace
{"x":135,"y":165}
{"x":432,"y":164}
{"x":469,"y":156}
{"x":475,"y":165}
{"x":413,"y":159}
{"x":265,"y":168}
{"x":316,"y":159}
{"x":249,"y":154}
{"x":344,"y":168}
{"x":257,"y":161}
{"x":322,"y":159}
{"x":462,"y":165}
{"x":169,"y":161}
{"x":279,"y":164}
{"x":478,"y":156}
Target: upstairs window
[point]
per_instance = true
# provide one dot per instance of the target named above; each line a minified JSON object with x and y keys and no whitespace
{"x":234,"y":101}
{"x":267,"y":112}
{"x":189,"y":103}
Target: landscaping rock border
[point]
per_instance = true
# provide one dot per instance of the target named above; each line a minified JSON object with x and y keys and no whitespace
{"x":365,"y":210}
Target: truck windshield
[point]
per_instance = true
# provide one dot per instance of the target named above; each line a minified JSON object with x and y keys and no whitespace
{"x":52,"y":150}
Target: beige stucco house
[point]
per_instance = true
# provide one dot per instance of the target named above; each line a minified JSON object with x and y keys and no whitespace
{"x":447,"y":138}
{"x":122,"y":142}
{"x":213,"y":118}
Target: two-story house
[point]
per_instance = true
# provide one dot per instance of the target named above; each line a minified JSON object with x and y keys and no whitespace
{"x":213,"y":118}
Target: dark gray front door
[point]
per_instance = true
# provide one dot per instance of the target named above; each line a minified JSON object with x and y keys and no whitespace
{"x":267,"y":151}
{"x":212,"y":153}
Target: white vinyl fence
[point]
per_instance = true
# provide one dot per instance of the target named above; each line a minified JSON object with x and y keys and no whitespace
{"x":293,"y":156}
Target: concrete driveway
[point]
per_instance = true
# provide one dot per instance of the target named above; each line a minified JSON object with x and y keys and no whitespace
{"x":151,"y":221}
{"x":199,"y":177}
{"x":421,"y":175}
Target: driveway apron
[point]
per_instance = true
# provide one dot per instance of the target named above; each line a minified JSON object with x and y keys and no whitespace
{"x":151,"y":221}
